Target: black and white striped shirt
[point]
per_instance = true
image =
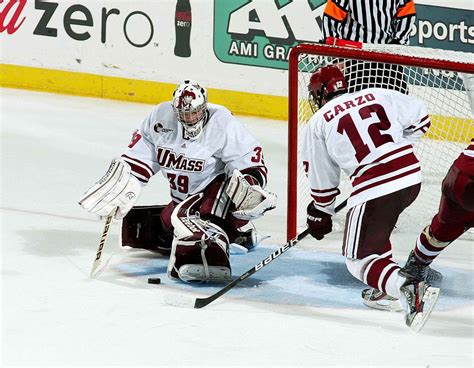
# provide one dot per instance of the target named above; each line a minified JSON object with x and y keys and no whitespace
{"x":369,"y":21}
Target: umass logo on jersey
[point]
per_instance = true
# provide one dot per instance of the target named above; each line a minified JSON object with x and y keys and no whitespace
{"x":169,"y":159}
{"x":158,"y":127}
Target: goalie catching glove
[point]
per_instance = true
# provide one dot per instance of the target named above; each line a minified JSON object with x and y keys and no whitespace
{"x":117,"y":188}
{"x":251,"y":201}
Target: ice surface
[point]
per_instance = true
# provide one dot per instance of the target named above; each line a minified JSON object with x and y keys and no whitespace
{"x":301,"y":310}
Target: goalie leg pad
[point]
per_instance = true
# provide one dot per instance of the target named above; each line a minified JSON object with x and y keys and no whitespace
{"x":200,"y":260}
{"x":200,"y":250}
{"x":142,"y":228}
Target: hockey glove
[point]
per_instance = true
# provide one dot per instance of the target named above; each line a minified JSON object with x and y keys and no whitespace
{"x":117,"y":188}
{"x":251,"y":201}
{"x":319,"y":222}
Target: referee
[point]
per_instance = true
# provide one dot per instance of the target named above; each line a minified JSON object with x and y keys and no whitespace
{"x":371,"y":21}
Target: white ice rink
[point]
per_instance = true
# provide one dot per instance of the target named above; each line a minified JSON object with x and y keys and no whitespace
{"x":302,"y":310}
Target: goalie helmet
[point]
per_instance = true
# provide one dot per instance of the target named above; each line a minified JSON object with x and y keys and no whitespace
{"x":190,"y":107}
{"x":325,"y":84}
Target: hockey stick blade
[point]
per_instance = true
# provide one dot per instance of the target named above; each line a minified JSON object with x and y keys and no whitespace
{"x":180,"y":300}
{"x":202,"y":302}
{"x":103,"y":239}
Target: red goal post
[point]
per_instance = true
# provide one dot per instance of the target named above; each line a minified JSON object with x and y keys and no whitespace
{"x":429,"y":74}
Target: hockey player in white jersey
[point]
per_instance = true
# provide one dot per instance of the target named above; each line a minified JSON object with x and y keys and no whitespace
{"x":369,"y":135}
{"x":216,"y":175}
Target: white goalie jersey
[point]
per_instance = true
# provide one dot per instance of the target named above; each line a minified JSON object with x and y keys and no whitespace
{"x":369,"y":135}
{"x":190,"y":165}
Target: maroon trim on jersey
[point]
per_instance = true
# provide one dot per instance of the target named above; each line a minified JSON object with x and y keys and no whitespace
{"x":424,"y":128}
{"x":146,"y":171}
{"x":391,"y":153}
{"x":386,"y":168}
{"x":325,"y":190}
{"x":258,"y":172}
{"x":320,"y":203}
{"x":139,"y":162}
{"x":324,"y":200}
{"x":385,"y":181}
{"x":176,"y":199}
{"x":140,"y":179}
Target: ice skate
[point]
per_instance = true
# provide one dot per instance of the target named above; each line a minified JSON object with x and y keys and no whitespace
{"x":422,"y":271}
{"x":419,"y":300}
{"x":377,"y":299}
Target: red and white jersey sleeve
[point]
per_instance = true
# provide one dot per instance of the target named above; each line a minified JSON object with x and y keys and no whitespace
{"x":322,"y":171}
{"x":141,"y":153}
{"x":189,"y":166}
{"x":369,"y":135}
{"x":465,"y":161}
{"x":240,"y":150}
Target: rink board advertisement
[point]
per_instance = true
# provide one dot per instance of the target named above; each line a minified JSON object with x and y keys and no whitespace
{"x":140,"y":50}
{"x":261,"y":33}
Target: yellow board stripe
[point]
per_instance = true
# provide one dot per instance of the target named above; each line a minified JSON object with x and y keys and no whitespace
{"x":84,"y":84}
{"x":240,"y":103}
{"x":451,"y":128}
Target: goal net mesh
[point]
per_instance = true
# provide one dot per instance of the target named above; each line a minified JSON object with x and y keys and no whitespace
{"x":434,"y":76}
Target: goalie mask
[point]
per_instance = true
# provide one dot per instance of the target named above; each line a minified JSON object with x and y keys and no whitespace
{"x":190,"y":107}
{"x":325,"y":84}
{"x":200,"y":250}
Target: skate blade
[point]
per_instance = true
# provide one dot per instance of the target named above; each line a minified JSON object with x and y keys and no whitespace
{"x":430,"y":297}
{"x":384,"y":304}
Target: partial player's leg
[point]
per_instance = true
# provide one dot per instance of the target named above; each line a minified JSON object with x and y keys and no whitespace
{"x":143,"y":228}
{"x":455,"y":216}
{"x":368,"y":251}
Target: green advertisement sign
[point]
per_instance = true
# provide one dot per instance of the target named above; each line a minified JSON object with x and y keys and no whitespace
{"x":262,"y":32}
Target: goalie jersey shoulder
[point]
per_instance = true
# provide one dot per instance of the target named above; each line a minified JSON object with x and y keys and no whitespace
{"x":160,"y":120}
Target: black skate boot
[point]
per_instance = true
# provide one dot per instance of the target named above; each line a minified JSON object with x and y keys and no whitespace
{"x":419,"y":300}
{"x":421,"y":271}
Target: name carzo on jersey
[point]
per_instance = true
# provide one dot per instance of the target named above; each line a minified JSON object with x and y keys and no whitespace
{"x":357,"y":101}
{"x":169,"y":159}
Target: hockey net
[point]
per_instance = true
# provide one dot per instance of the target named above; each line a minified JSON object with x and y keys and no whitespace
{"x":435,"y":76}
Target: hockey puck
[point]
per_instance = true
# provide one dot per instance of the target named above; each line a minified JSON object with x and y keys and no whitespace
{"x":154,"y":280}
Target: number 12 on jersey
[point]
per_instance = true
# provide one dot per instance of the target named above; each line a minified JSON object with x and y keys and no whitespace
{"x":347,"y":126}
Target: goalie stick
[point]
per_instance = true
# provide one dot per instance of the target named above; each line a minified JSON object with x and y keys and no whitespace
{"x":197,"y":303}
{"x":103,"y":239}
